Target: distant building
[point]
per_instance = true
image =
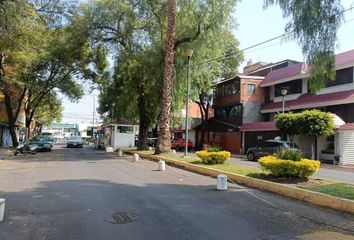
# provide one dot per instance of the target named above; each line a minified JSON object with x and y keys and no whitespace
{"x":66,"y":129}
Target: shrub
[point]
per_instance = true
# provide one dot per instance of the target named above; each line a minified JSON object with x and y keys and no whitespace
{"x":288,"y":168}
{"x":214,"y":148}
{"x":213,"y":157}
{"x":288,"y":154}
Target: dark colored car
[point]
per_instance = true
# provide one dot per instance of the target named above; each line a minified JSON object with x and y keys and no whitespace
{"x":44,"y":143}
{"x":269,"y":147}
{"x":75,"y":141}
{"x":180,"y":143}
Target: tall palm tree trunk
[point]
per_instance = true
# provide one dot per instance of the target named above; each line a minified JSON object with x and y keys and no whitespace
{"x":163,"y":141}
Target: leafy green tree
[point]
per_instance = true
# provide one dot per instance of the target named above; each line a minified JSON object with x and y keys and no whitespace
{"x":138,"y":28}
{"x":314,"y":123}
{"x":21,"y":41}
{"x":204,"y":75}
{"x":314,"y":24}
{"x":51,"y":110}
{"x":67,"y":58}
{"x":288,"y":124}
{"x":40,"y":55}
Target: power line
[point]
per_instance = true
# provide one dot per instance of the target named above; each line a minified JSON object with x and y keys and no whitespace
{"x":258,"y":44}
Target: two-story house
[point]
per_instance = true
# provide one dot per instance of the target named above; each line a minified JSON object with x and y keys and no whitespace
{"x":337,"y":97}
{"x":237,"y":101}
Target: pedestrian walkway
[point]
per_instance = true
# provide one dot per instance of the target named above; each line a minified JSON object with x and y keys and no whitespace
{"x":327,"y":171}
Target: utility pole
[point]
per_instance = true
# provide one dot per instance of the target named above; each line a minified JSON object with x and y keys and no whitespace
{"x":93,"y":116}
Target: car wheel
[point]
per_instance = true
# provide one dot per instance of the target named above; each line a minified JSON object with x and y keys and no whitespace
{"x":250,"y":156}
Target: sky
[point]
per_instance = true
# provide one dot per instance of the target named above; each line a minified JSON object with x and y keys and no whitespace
{"x":255,"y":25}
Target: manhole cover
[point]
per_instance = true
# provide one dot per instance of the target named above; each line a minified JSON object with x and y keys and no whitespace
{"x":121,"y":218}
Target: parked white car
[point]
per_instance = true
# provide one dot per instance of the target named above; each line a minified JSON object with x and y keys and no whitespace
{"x":75,"y":141}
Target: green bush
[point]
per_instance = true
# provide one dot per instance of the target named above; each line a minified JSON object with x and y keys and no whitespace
{"x":288,"y":154}
{"x":213,"y":157}
{"x":214,"y":148}
{"x":288,"y":168}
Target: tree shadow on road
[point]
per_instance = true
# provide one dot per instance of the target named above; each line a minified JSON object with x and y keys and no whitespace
{"x":76,"y":209}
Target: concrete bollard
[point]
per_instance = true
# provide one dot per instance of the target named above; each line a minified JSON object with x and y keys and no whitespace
{"x":221,"y":184}
{"x":150,"y":148}
{"x":136,"y":157}
{"x":161,"y":166}
{"x":120,"y":153}
{"x":173,"y":151}
{"x":2,"y":209}
{"x":109,"y":149}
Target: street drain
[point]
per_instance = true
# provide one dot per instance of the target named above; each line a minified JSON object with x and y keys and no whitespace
{"x":121,"y":218}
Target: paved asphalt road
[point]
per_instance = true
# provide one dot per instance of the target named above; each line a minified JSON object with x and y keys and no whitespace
{"x":72,"y":193}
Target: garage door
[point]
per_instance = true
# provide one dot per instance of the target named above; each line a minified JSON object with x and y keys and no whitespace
{"x":348,"y":148}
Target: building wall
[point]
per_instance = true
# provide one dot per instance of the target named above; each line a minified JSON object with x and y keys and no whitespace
{"x":251,"y":103}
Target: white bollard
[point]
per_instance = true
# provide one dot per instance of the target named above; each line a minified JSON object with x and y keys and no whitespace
{"x":109,"y":149}
{"x":120,"y":153}
{"x":173,"y":151}
{"x":150,"y":148}
{"x":221,"y":184}
{"x":2,"y":209}
{"x":135,"y":157}
{"x":161,"y":166}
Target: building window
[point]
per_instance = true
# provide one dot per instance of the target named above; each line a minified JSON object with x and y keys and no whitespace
{"x":343,"y":76}
{"x":251,"y":88}
{"x":234,"y":111}
{"x":293,"y":87}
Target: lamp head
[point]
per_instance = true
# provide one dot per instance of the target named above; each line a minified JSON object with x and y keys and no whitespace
{"x":284,"y":91}
{"x":189,"y":52}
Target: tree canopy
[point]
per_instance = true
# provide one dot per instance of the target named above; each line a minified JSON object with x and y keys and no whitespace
{"x":314,"y":24}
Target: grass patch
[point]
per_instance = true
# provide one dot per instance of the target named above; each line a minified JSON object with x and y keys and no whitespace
{"x":233,"y":168}
{"x":341,"y":190}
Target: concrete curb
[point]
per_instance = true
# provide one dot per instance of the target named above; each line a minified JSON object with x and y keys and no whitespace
{"x":319,"y":199}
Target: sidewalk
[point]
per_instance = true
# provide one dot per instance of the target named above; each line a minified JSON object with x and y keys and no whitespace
{"x":327,"y":171}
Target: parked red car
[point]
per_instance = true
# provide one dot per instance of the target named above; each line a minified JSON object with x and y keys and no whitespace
{"x":180,"y":143}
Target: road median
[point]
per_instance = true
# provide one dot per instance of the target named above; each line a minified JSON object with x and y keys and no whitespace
{"x":319,"y":199}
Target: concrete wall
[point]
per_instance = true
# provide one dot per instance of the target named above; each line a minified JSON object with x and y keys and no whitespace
{"x":124,"y":140}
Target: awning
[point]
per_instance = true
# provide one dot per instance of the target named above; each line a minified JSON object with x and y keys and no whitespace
{"x":308,"y":100}
{"x":347,"y":127}
{"x":258,"y":127}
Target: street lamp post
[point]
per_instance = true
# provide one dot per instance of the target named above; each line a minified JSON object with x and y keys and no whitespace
{"x":189,"y":54}
{"x":284,"y":91}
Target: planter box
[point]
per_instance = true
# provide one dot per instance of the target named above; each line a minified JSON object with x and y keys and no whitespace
{"x":327,"y":157}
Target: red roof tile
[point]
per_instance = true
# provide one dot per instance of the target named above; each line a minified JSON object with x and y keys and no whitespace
{"x":294,"y":70}
{"x":282,"y":73}
{"x":258,"y":126}
{"x":345,"y":127}
{"x":308,"y":99}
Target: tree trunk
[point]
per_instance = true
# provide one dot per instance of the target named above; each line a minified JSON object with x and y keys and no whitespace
{"x":144,"y":125}
{"x":314,"y":148}
{"x":11,"y":118}
{"x":164,"y":139}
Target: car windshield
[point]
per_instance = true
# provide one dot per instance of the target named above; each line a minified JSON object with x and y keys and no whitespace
{"x":47,"y":134}
{"x":41,"y":138}
{"x":75,"y":138}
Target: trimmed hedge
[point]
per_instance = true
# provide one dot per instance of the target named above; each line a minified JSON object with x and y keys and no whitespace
{"x":288,"y":168}
{"x":213,"y":157}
